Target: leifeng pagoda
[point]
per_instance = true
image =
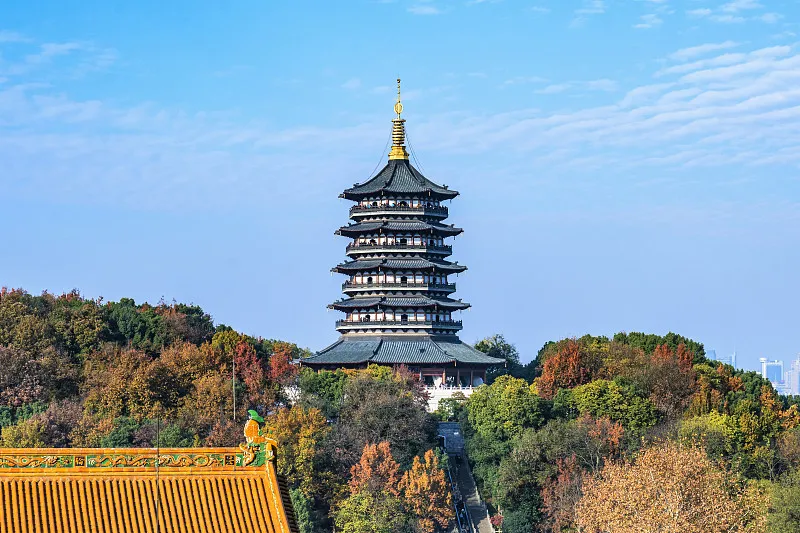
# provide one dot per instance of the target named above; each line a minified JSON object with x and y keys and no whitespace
{"x":399,"y":306}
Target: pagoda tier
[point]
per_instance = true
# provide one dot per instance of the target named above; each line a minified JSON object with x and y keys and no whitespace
{"x":399,"y":264}
{"x":399,"y":308}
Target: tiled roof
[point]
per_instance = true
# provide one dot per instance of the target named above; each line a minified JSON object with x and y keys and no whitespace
{"x":122,"y":491}
{"x":410,"y":350}
{"x":389,"y":302}
{"x":400,"y":264}
{"x":398,"y":177}
{"x":404,"y":227}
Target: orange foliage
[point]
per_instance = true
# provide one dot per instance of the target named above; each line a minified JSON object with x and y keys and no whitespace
{"x":377,"y":471}
{"x":669,"y":487}
{"x":426,"y":493}
{"x":570,"y":366}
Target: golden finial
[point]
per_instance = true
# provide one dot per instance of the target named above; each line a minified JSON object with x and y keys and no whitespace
{"x":398,"y":130}
{"x":398,"y":107}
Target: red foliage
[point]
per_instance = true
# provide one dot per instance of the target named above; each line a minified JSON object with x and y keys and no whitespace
{"x":570,"y":366}
{"x":281,"y":369}
{"x":560,"y":495}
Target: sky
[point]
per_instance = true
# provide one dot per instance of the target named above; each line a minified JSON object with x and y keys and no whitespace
{"x":623,"y":165}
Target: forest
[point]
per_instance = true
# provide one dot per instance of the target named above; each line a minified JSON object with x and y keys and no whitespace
{"x":638,"y":432}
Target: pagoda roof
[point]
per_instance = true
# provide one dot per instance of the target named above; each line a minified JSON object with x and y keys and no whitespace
{"x":389,"y":302}
{"x":398,"y":263}
{"x":416,"y":226}
{"x":147,"y":490}
{"x":411,"y":350}
{"x":398,"y":177}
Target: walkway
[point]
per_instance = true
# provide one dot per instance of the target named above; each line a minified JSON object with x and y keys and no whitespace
{"x":475,"y":506}
{"x":465,"y":488}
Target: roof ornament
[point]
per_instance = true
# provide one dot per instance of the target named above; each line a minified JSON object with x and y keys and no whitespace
{"x":398,"y":150}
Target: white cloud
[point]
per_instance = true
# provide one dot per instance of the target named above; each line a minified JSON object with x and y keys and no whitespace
{"x":694,"y":51}
{"x":727,"y":19}
{"x":592,"y":7}
{"x":555,"y":88}
{"x":770,"y":18}
{"x":740,"y":5}
{"x":701,"y":12}
{"x":540,"y":9}
{"x":422,"y":9}
{"x":719,"y":110}
{"x":648,"y":21}
{"x":352,"y":83}
{"x":12,"y":37}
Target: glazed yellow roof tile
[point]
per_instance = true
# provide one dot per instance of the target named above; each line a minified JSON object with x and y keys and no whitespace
{"x":199,"y":490}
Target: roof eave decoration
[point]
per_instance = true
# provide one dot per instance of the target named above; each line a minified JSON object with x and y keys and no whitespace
{"x":70,"y":489}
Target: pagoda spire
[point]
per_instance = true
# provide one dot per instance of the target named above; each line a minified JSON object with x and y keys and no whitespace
{"x":398,"y":150}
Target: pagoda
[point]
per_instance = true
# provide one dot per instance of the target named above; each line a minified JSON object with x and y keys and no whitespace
{"x":399,"y":305}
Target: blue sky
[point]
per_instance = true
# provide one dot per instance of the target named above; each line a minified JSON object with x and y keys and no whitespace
{"x":624,"y":165}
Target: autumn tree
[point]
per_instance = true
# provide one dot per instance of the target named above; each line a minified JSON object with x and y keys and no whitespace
{"x":426,"y":493}
{"x":669,"y":487}
{"x":374,"y":503}
{"x":300,"y":434}
{"x":574,"y":363}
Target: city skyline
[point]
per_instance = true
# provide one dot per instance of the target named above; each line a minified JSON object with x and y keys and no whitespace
{"x":635,"y":163}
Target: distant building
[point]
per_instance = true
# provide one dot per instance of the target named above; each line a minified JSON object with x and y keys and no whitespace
{"x":793,"y":377}
{"x":724,"y":359}
{"x":773,"y":371}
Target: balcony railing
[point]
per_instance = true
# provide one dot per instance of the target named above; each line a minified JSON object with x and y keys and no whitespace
{"x":419,"y":210}
{"x":373,"y":248}
{"x":448,"y":324}
{"x":397,"y":285}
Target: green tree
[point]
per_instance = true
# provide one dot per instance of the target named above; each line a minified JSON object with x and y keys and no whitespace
{"x":620,"y":403}
{"x":784,"y":514}
{"x":497,"y":346}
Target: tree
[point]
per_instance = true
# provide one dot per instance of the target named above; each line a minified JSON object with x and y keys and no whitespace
{"x":374,"y":503}
{"x":574,"y":363}
{"x":669,"y":487}
{"x":392,"y":409}
{"x":603,"y":398}
{"x":426,"y":493}
{"x":300,"y":433}
{"x":785,"y":505}
{"x":497,"y":346}
{"x":504,"y":409}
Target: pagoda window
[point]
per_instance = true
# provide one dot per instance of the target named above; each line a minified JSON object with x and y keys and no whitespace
{"x":373,"y":242}
{"x":369,"y":280}
{"x":366,"y":318}
{"x":404,"y":318}
{"x":403,"y":240}
{"x":403,"y":280}
{"x":374,"y":204}
{"x":403,"y":204}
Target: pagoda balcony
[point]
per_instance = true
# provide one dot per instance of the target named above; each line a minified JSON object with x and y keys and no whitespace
{"x":439,"y":211}
{"x":344,"y":325}
{"x":444,"y":287}
{"x":444,"y":249}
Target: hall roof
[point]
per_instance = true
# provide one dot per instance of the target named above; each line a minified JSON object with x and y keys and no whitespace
{"x":408,"y":350}
{"x":398,"y":264}
{"x":135,"y":490}
{"x":388,"y":302}
{"x":398,"y":178}
{"x":392,"y":226}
